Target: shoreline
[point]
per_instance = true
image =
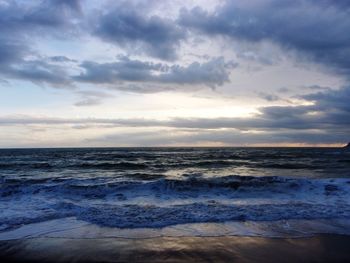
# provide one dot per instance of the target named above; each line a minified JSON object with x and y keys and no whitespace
{"x":72,"y":240}
{"x":319,"y":248}
{"x":72,"y":228}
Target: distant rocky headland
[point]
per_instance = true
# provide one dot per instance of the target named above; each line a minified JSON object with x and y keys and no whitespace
{"x":347,"y":146}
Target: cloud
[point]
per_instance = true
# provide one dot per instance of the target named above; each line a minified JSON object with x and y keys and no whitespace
{"x":316,"y":29}
{"x":326,"y":118}
{"x":211,"y":73}
{"x":62,"y":59}
{"x":332,"y":101}
{"x":37,"y":39}
{"x":88,"y":102}
{"x":218,"y":137}
{"x":40,"y":72}
{"x":129,"y":25}
{"x":10,"y":52}
{"x":23,"y":18}
{"x":268,"y":97}
{"x":15,"y":65}
{"x":91,"y":98}
{"x":19,"y":23}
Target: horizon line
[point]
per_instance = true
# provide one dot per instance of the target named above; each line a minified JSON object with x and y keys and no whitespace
{"x":126,"y":147}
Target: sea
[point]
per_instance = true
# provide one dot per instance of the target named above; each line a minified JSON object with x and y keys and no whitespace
{"x":194,"y":191}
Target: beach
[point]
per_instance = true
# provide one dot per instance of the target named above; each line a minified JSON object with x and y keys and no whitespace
{"x":320,"y":248}
{"x":175,"y":131}
{"x":71,"y":240}
{"x":175,"y":205}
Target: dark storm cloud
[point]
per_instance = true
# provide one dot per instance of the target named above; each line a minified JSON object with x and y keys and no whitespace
{"x":317,"y":29}
{"x":211,"y":73}
{"x":128,"y":25}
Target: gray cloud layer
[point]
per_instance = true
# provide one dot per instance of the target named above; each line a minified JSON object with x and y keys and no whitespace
{"x":218,"y":137}
{"x":212,"y":73}
{"x":153,"y":35}
{"x":291,"y":24}
{"x":18,"y":24}
{"x":315,"y":28}
{"x":324,"y":122}
{"x":15,"y":65}
{"x":37,"y":16}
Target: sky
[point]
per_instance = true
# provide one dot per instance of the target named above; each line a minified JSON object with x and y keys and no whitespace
{"x":84,"y":73}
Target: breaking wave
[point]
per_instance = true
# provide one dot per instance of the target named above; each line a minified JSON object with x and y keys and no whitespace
{"x":160,"y":187}
{"x":163,"y":202}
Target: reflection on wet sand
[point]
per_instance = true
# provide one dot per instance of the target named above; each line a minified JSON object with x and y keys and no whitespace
{"x":322,"y":248}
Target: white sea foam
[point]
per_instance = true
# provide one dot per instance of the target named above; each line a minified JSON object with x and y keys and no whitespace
{"x":168,"y":202}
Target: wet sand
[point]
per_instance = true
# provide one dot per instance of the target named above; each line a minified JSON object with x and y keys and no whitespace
{"x":321,"y":248}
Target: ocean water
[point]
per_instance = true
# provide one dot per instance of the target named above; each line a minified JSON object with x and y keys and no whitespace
{"x":158,"y":188}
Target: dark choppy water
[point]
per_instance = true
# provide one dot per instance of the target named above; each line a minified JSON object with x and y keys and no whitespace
{"x":156,"y":187}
